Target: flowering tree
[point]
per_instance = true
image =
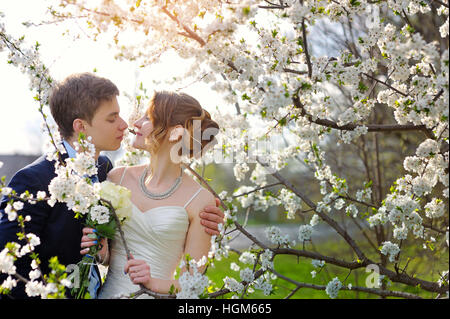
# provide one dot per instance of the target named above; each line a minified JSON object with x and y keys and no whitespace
{"x":305,"y":98}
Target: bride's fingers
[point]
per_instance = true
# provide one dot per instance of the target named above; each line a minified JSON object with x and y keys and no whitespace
{"x":88,"y":230}
{"x":139,"y":278}
{"x":87,"y":242}
{"x":86,"y":245}
{"x":135,"y":265}
{"x":139,"y":268}
{"x":138,"y":273}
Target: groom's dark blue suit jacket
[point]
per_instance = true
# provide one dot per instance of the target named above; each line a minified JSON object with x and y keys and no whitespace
{"x":60,"y":233}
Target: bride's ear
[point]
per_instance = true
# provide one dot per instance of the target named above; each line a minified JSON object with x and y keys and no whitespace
{"x":176,"y":133}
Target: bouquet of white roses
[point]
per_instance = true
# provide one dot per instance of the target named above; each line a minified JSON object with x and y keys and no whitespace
{"x":112,"y":207}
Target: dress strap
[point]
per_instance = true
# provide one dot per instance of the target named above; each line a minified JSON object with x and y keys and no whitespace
{"x":123,"y":174}
{"x":196,"y":193}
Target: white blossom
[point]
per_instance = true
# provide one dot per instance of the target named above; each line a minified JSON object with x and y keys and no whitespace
{"x":34,"y":274}
{"x":435,"y":208}
{"x":262,"y":283}
{"x":99,"y":214}
{"x":304,"y":233}
{"x":247,"y":275}
{"x":233,"y":285}
{"x":318,"y":263}
{"x":275,"y":236}
{"x":427,"y":148}
{"x":352,"y":210}
{"x":265,"y":259}
{"x":9,"y":283}
{"x":239,"y":171}
{"x":41,"y":195}
{"x":247,"y":258}
{"x":17,"y":205}
{"x":291,"y":202}
{"x":333,"y":288}
{"x":391,"y":250}
{"x":192,"y":285}
{"x":7,"y":262}
{"x":314,"y":220}
{"x":234,"y":266}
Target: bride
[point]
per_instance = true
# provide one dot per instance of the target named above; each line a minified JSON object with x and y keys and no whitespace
{"x":165,"y":223}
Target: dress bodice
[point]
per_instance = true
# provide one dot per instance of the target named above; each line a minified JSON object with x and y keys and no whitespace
{"x":157,"y":236}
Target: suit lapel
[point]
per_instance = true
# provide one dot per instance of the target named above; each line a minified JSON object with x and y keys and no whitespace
{"x":104,"y":166}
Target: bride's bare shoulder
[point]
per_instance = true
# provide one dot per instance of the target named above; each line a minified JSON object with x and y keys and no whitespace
{"x":205,"y":196}
{"x":115,"y":175}
{"x":189,"y":181}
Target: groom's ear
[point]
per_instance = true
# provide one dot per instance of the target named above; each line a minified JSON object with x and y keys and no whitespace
{"x":78,"y":126}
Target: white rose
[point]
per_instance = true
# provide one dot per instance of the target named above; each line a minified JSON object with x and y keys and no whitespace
{"x":119,"y":197}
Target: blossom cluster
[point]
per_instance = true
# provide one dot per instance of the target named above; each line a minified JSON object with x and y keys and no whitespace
{"x":333,"y":288}
{"x":72,"y":184}
{"x":192,"y":283}
{"x":391,"y":250}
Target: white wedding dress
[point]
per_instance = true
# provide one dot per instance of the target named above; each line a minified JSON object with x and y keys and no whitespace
{"x":156,"y":236}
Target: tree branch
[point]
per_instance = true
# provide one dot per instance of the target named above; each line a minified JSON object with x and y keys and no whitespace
{"x":189,"y":33}
{"x":441,"y":3}
{"x":351,"y":127}
{"x":380,"y":292}
{"x":305,"y":46}
{"x":322,"y":215}
{"x":364,"y":261}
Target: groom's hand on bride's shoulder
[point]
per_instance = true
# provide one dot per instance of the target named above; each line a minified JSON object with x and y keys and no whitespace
{"x":211,"y":217}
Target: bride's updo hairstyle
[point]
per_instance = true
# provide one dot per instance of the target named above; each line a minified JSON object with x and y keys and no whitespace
{"x":168,"y":109}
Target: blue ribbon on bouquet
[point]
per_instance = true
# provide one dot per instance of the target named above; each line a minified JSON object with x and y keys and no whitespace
{"x":94,"y":279}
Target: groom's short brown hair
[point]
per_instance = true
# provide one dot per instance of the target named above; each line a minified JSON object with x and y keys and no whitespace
{"x":79,"y":96}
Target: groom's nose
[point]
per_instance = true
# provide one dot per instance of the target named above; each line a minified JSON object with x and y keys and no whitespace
{"x":123,"y":125}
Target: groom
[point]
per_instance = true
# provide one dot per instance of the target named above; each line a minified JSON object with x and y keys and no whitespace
{"x":81,"y":103}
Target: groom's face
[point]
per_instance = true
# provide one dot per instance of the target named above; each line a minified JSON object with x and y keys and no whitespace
{"x":107,"y":127}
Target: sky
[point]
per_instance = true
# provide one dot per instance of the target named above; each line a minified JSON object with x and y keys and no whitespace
{"x":20,"y":120}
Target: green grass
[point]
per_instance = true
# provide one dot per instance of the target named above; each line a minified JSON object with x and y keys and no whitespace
{"x":299,"y":269}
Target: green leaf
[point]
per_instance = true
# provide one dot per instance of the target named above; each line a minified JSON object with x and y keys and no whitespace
{"x":107,"y":230}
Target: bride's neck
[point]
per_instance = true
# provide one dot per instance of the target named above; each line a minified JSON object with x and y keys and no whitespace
{"x":163,"y":170}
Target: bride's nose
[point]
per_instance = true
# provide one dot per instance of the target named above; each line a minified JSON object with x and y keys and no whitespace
{"x":138,"y":123}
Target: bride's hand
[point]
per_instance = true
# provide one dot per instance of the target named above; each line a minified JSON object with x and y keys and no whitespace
{"x":139,"y":272}
{"x":88,"y":241}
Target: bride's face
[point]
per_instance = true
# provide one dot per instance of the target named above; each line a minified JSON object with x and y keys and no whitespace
{"x":144,"y":127}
